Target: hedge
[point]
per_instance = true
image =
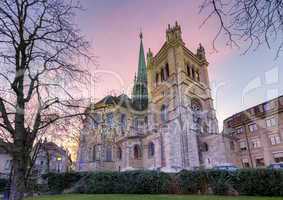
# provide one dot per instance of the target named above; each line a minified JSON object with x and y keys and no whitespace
{"x":251,"y":182}
{"x":259,"y":182}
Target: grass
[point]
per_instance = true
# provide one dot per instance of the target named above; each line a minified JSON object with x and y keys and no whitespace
{"x":148,"y":197}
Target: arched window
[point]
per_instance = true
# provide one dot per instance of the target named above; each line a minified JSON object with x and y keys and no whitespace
{"x":196,"y":105}
{"x":108,"y":153}
{"x":162,"y":75}
{"x":164,"y":113}
{"x":119,"y":153}
{"x":137,"y":152}
{"x":167,"y":70}
{"x":146,"y":121}
{"x":96,"y":153}
{"x":189,"y":71}
{"x":109,"y":120}
{"x":136,"y":123}
{"x":156,"y":79}
{"x":193,"y":73}
{"x":123,"y":121}
{"x":197,"y":76}
{"x":205,"y":147}
{"x":151,"y":150}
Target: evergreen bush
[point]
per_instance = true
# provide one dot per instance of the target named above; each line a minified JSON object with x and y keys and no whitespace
{"x":259,"y":182}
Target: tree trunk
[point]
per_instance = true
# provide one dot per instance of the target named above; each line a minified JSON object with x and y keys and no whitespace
{"x":18,"y":186}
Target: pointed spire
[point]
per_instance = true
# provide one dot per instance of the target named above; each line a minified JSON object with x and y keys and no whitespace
{"x":140,"y":94}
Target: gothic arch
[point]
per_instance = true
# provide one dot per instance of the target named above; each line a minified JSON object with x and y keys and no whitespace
{"x":151,"y":149}
{"x":196,"y":105}
{"x":119,"y":153}
{"x":137,"y":152}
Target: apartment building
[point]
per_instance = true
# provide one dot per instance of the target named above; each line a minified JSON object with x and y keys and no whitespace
{"x":256,"y":135}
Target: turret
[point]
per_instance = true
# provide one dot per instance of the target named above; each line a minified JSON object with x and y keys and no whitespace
{"x":174,"y":33}
{"x":201,"y":52}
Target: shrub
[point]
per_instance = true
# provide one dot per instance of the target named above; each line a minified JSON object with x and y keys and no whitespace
{"x":193,"y":182}
{"x":132,"y":182}
{"x":58,"y":182}
{"x":260,"y":182}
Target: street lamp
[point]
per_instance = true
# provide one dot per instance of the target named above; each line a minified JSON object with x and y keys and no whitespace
{"x":58,"y":159}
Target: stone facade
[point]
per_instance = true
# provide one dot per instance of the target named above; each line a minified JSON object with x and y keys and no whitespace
{"x":173,"y":128}
{"x":256,"y":135}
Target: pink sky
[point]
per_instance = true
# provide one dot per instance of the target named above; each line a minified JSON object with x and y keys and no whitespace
{"x":113,"y":27}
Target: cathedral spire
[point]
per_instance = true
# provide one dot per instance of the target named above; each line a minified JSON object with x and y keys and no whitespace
{"x":140,"y":94}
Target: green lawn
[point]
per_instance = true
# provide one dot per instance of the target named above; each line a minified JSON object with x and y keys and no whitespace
{"x":148,"y":197}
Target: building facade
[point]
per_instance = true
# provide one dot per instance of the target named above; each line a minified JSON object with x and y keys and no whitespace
{"x":169,"y":122}
{"x":256,"y":135}
{"x":49,"y":158}
{"x":52,"y":158}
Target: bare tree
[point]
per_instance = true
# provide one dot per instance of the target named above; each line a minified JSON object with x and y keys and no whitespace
{"x":249,"y":23}
{"x":41,"y":56}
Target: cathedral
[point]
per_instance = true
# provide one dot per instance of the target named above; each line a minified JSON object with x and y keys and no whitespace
{"x":168,"y":123}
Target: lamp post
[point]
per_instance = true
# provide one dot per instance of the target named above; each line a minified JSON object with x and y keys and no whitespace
{"x":58,"y":159}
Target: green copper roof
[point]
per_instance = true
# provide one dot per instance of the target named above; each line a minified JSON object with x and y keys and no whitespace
{"x":140,"y":94}
{"x":142,"y":76}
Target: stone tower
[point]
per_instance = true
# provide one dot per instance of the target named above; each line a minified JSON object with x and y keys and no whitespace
{"x":179,"y":88}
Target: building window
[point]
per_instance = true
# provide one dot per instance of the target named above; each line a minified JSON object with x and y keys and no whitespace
{"x":255,"y":143}
{"x":189,"y":71}
{"x":123,"y":121}
{"x":232,"y":145}
{"x":96,"y":153}
{"x":245,"y":163}
{"x":243,"y":146}
{"x":240,"y":130}
{"x":108,"y":153}
{"x":136,"y":123}
{"x":119,"y":153}
{"x":193,"y":73}
{"x":278,"y":157}
{"x":162,"y":75}
{"x":146,"y":121}
{"x":156,"y":79}
{"x":167,"y":73}
{"x":205,"y":147}
{"x":271,"y":122}
{"x":252,"y":127}
{"x":164,"y":113}
{"x":275,"y":139}
{"x":109,"y":120}
{"x":197,"y":76}
{"x":137,"y":152}
{"x":196,"y":105}
{"x":8,"y":164}
{"x":259,"y":162}
{"x":151,"y":150}
{"x":268,"y":106}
